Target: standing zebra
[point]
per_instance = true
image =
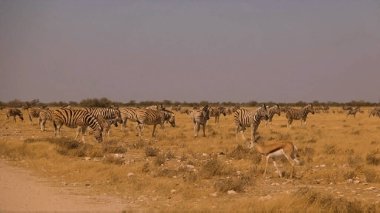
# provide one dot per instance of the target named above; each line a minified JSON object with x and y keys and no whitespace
{"x":374,"y":112}
{"x":44,"y":115}
{"x":216,"y":112}
{"x":15,"y":112}
{"x":154,"y":117}
{"x":244,"y":118}
{"x":200,"y":117}
{"x":271,"y":112}
{"x":353,"y":111}
{"x":75,"y":118}
{"x":298,"y":114}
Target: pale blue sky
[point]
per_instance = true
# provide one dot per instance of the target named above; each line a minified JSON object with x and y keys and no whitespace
{"x":215,"y":50}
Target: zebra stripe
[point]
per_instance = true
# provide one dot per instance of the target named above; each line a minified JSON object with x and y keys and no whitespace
{"x":106,"y":113}
{"x":33,"y":112}
{"x":129,"y":113}
{"x":75,"y":118}
{"x":154,"y":117}
{"x":14,"y":112}
{"x":299,"y":114}
{"x":244,"y":118}
{"x":200,"y":118}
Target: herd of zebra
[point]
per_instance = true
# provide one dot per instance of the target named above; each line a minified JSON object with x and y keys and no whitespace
{"x":100,"y":120}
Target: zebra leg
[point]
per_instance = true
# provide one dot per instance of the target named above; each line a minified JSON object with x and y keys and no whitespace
{"x":42,"y":124}
{"x":154,"y":129}
{"x":78,"y":130}
{"x":204,"y":130}
{"x":196,"y":129}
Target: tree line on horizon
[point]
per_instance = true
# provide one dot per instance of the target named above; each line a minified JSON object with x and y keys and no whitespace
{"x":105,"y":102}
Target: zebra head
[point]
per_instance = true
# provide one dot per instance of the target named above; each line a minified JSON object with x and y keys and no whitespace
{"x":206,"y":112}
{"x":262,"y":113}
{"x":277,"y":110}
{"x":169,"y":116}
{"x":309,"y":108}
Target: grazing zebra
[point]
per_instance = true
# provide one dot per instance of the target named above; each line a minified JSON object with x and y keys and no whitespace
{"x":15,"y":112}
{"x":353,"y":111}
{"x":75,"y":118}
{"x":244,"y":118}
{"x":374,"y":112}
{"x":200,"y":117}
{"x":216,"y":112}
{"x":271,"y":112}
{"x":154,"y":117}
{"x":298,"y":114}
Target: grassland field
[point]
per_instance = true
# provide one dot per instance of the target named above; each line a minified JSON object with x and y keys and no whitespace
{"x":176,"y":172}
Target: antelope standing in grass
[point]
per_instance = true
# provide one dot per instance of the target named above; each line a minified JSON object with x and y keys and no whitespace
{"x":286,"y":149}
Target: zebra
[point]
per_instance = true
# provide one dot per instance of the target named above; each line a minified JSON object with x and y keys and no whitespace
{"x":216,"y":112}
{"x":129,"y":113}
{"x":353,"y":111}
{"x":15,"y":112}
{"x":271,"y":112}
{"x":244,"y":118}
{"x":374,"y":112}
{"x":154,"y":117}
{"x":74,"y":118}
{"x":200,"y":117}
{"x":299,"y":114}
{"x":44,"y":115}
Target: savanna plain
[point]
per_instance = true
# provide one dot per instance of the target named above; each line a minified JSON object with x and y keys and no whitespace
{"x":176,"y":172}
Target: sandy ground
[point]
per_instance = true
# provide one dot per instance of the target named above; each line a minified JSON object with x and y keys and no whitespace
{"x":20,"y":191}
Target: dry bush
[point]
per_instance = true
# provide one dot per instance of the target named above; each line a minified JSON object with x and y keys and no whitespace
{"x":330,"y":203}
{"x":165,"y":172}
{"x":114,"y":159}
{"x":151,"y":151}
{"x":371,"y":175}
{"x":237,"y":184}
{"x":160,"y":159}
{"x":146,"y":168}
{"x":190,"y":176}
{"x":307,"y":153}
{"x":373,"y":158}
{"x":239,"y":152}
{"x":114,"y":149}
{"x":330,"y":149}
{"x":354,"y":160}
{"x":215,"y":167}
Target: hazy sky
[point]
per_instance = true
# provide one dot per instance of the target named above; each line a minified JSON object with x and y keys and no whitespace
{"x":215,"y":50}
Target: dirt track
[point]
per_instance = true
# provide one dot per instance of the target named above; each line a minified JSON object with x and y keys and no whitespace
{"x":20,"y":191}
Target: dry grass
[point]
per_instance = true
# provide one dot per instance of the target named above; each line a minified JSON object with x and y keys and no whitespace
{"x":176,"y":172}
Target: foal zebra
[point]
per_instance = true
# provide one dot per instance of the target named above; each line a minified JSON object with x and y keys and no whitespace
{"x":44,"y":115}
{"x":15,"y":112}
{"x":75,"y":118}
{"x":298,"y":114}
{"x":216,"y":112}
{"x":200,"y":117}
{"x":244,"y":118}
{"x":271,"y":112}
